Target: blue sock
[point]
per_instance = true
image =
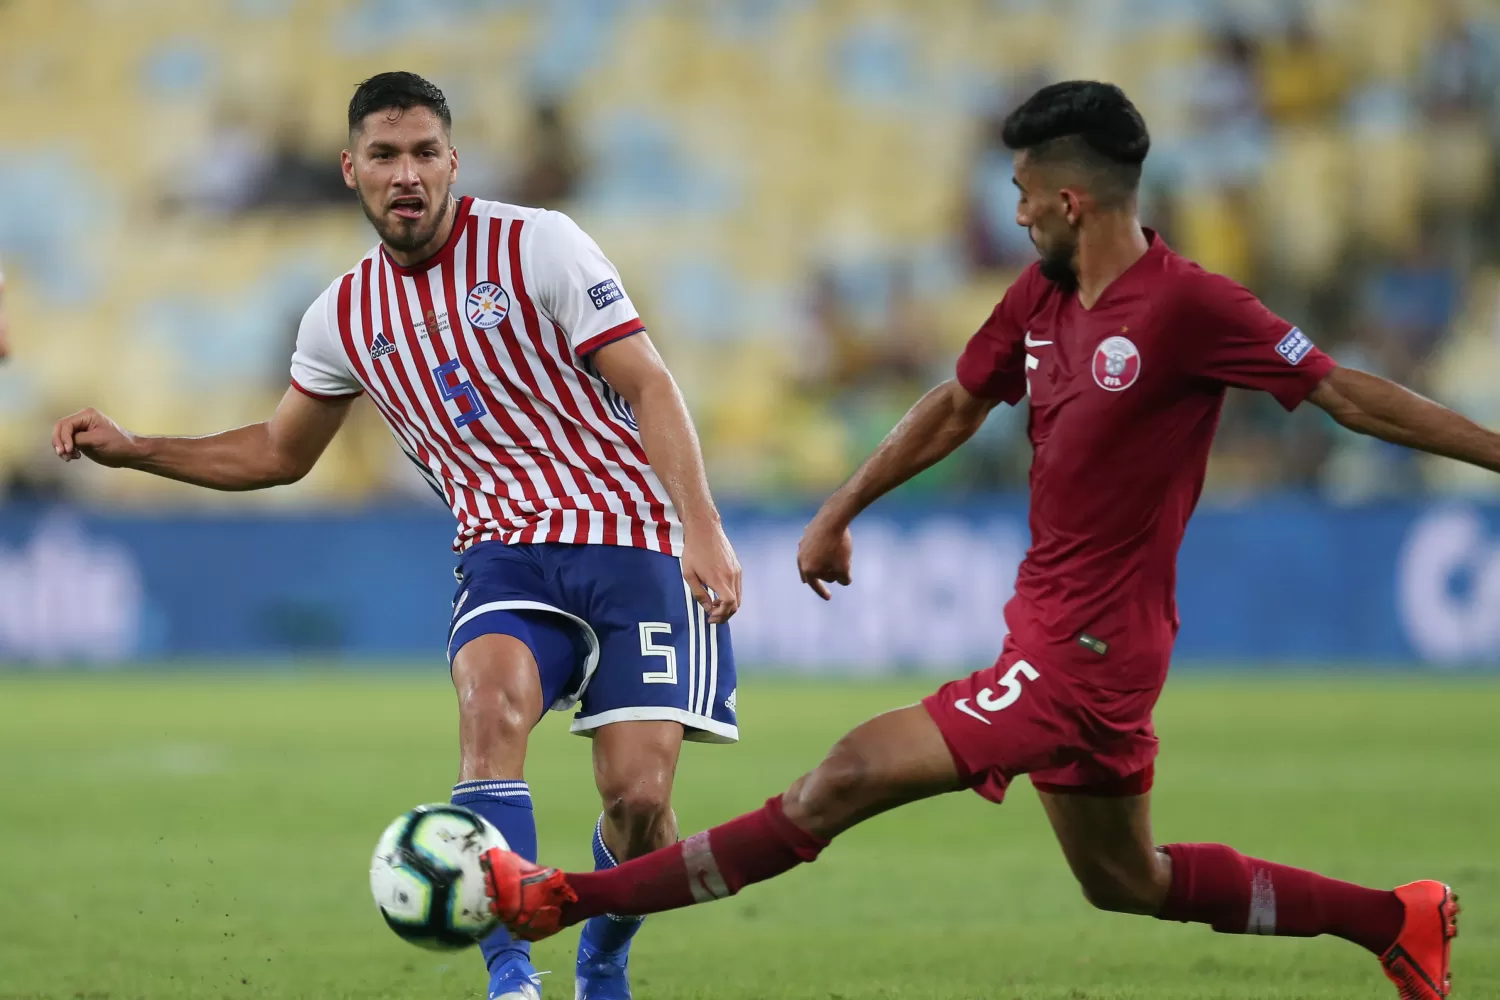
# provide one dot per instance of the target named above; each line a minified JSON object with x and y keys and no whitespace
{"x":609,"y":933}
{"x":507,"y":805}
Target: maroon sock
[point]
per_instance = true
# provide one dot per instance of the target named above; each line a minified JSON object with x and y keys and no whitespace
{"x":1216,"y":885}
{"x":707,"y":866}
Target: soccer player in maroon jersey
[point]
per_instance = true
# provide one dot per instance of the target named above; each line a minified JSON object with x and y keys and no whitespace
{"x":1124,"y":350}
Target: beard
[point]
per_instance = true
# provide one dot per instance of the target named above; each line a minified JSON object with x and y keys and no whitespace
{"x":406,"y":236}
{"x":1057,"y":267}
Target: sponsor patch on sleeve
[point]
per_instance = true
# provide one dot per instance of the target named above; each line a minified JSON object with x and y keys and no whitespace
{"x":1294,"y":346}
{"x":605,"y":292}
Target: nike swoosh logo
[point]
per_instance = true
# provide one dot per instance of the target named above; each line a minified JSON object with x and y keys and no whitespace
{"x":962,"y":705}
{"x":1036,"y":343}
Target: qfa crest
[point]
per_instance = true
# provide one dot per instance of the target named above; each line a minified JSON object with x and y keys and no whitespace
{"x":1117,"y":364}
{"x":487,"y":305}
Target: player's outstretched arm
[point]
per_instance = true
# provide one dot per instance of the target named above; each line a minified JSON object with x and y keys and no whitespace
{"x":271,"y":453}
{"x":1381,"y":408}
{"x":931,"y":430}
{"x":638,"y":373}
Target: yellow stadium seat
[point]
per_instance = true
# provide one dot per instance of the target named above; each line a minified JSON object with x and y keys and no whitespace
{"x":1386,"y":174}
{"x":1303,"y":203}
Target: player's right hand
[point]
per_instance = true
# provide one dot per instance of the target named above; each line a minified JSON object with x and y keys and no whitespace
{"x":824,"y":556}
{"x":89,"y":433}
{"x":712,"y":571}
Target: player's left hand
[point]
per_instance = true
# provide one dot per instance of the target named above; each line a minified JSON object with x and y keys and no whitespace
{"x":712,"y":571}
{"x":824,"y":554}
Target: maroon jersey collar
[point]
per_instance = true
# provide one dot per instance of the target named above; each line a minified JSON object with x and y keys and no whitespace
{"x":444,"y":255}
{"x":1156,"y":247}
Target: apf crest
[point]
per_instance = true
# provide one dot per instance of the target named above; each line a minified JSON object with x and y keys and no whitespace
{"x":487,"y":305}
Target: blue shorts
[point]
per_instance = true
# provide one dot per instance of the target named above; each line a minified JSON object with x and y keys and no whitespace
{"x":614,"y":630}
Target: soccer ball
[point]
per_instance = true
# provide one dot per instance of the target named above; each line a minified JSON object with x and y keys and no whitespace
{"x":426,"y":878}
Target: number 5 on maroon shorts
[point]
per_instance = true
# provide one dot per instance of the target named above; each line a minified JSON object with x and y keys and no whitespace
{"x":1072,"y":737}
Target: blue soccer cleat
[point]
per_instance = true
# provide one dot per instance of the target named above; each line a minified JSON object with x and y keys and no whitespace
{"x":601,"y":975}
{"x":515,"y":980}
{"x":604,"y":945}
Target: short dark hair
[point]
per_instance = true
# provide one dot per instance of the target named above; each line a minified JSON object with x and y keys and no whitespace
{"x":1085,"y":124}
{"x":398,"y":89}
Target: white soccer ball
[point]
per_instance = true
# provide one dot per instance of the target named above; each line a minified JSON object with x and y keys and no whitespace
{"x":426,"y":878}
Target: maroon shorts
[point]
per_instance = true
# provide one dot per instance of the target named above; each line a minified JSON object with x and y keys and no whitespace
{"x":1068,"y":734}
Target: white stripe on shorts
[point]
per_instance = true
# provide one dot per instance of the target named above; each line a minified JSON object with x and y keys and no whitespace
{"x":692,"y":657}
{"x":568,"y":698}
{"x":713,"y":670}
{"x":702,"y":659}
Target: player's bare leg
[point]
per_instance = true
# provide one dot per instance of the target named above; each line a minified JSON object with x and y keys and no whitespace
{"x":891,"y":760}
{"x":499,"y":701}
{"x":1109,"y":847}
{"x":635,"y":763}
{"x":1108,"y":844}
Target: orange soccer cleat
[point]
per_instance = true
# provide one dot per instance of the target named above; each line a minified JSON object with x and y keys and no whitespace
{"x":1418,"y":962}
{"x":527,"y":898}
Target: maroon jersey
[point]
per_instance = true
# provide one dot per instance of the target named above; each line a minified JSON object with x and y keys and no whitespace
{"x":1124,"y":401}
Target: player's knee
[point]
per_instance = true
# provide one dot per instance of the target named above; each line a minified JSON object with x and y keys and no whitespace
{"x":823,"y":800}
{"x":1110,"y":891}
{"x":492,"y":709}
{"x":496,"y":714}
{"x":642,"y":813}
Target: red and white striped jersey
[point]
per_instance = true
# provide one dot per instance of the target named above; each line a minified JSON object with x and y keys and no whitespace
{"x":478,"y":359}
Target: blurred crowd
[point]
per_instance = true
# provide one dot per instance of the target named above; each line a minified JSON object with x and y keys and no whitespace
{"x":808,"y":199}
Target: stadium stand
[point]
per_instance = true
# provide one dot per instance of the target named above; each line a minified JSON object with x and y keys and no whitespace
{"x":808,"y":201}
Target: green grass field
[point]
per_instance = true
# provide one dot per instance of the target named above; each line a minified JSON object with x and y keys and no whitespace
{"x":195,"y":835}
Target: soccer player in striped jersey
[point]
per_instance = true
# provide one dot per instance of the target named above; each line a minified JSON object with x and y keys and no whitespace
{"x":500,"y":346}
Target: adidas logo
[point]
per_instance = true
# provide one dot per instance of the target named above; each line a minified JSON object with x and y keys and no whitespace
{"x":380,"y":347}
{"x":730,"y":701}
